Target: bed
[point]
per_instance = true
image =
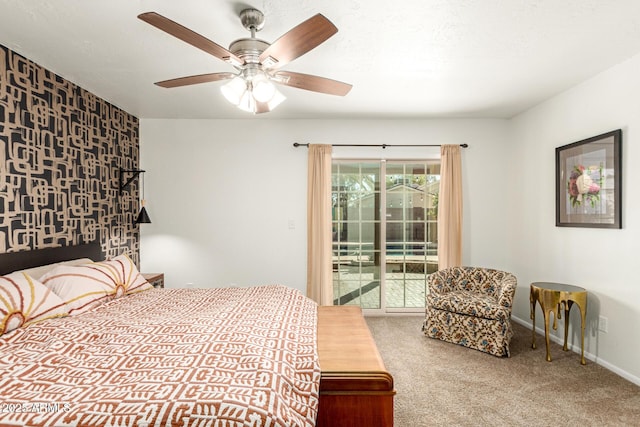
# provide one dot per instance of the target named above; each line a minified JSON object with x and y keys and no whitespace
{"x":263,"y":355}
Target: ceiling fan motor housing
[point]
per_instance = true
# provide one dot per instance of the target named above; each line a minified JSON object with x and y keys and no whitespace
{"x":252,"y":20}
{"x":248,"y":50}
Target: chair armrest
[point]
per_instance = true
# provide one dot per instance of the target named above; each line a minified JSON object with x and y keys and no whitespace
{"x":507,"y":292}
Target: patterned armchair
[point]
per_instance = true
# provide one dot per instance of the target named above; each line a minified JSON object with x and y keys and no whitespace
{"x":471,"y":306}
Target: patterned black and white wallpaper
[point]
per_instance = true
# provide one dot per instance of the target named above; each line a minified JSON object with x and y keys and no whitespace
{"x":61,"y":150}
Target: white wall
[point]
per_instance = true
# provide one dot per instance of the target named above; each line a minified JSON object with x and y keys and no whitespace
{"x":222,"y":193}
{"x":601,"y":260}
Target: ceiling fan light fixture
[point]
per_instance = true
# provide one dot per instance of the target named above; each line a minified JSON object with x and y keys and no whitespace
{"x":276,"y":99}
{"x":254,"y":94}
{"x":235,"y":90}
{"x":263,"y":89}
{"x":247,"y":103}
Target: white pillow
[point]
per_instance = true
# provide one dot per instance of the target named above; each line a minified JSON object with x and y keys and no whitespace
{"x":38,"y":272}
{"x":80,"y":287}
{"x":84,"y":287}
{"x":129,"y":280}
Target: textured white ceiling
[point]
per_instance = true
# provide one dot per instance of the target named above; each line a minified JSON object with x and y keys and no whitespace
{"x":410,"y":59}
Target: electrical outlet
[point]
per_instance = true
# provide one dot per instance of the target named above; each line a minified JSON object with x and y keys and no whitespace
{"x":603,"y":324}
{"x":189,"y":285}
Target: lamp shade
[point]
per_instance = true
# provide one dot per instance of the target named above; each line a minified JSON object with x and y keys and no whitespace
{"x":263,"y":89}
{"x":276,"y":99}
{"x":234,"y":90}
{"x":143,"y":217}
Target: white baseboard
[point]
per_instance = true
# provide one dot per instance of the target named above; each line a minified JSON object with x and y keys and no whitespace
{"x":576,"y":349}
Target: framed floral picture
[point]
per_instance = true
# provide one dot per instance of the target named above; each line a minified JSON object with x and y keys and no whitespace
{"x":588,"y":182}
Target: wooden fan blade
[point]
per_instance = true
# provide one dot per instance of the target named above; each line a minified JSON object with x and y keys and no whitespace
{"x":298,"y":41}
{"x":312,"y":83}
{"x":189,"y":36}
{"x":194,"y":80}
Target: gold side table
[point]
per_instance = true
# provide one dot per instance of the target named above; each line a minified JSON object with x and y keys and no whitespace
{"x":552,"y":297}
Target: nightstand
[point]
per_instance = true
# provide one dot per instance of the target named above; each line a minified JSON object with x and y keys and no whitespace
{"x":156,"y":279}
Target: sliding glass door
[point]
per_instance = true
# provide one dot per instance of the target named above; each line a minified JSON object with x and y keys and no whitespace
{"x":384,"y":232}
{"x":356,"y":233}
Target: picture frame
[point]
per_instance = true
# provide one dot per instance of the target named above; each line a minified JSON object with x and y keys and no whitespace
{"x":588,"y":182}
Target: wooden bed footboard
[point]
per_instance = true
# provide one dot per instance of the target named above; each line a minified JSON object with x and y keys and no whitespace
{"x":355,"y":388}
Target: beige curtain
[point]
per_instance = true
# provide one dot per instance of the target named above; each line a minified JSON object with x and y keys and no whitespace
{"x":450,"y":208}
{"x":319,"y":251}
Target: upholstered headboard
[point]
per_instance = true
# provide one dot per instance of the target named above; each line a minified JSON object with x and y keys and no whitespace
{"x":12,"y":261}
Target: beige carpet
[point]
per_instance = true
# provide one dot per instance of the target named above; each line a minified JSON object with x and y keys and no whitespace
{"x":439,"y":383}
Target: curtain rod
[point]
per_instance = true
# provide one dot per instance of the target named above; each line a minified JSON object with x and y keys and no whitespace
{"x":298,"y":144}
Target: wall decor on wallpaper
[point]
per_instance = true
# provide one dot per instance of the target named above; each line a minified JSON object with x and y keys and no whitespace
{"x":588,"y":182}
{"x":61,"y":150}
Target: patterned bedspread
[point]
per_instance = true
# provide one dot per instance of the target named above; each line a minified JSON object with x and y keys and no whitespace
{"x":168,"y":357}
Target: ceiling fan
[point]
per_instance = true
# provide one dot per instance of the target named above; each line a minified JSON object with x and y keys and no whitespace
{"x":257,"y":62}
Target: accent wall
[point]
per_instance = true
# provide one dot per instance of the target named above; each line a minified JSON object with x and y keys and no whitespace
{"x":61,"y":150}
